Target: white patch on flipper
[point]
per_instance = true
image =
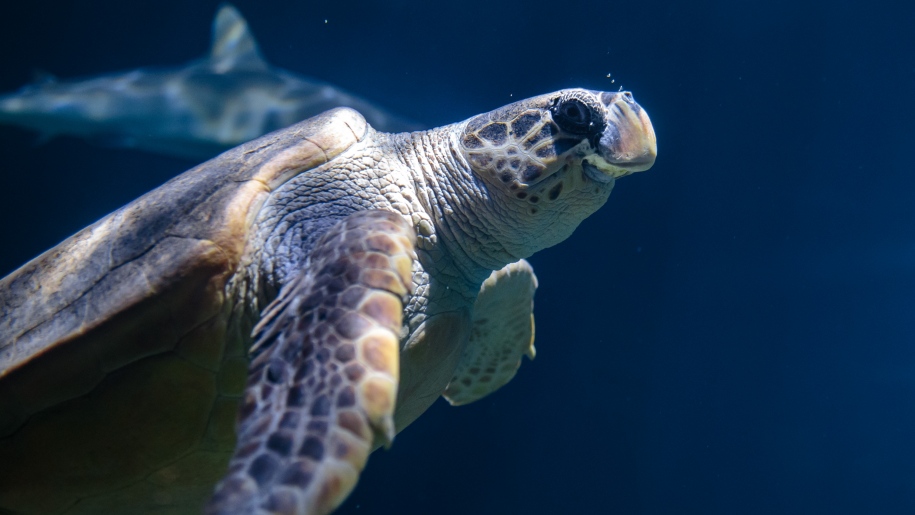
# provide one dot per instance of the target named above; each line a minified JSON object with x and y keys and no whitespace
{"x":502,"y":331}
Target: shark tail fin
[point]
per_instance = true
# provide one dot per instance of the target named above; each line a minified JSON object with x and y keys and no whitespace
{"x":233,"y":45}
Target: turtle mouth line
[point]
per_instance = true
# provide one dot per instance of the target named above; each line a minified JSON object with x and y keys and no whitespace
{"x":599,"y":170}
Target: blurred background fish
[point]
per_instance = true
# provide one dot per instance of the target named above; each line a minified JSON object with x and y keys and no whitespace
{"x":196,"y":111}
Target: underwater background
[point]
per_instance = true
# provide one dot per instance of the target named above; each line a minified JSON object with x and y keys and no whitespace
{"x":734,"y":332}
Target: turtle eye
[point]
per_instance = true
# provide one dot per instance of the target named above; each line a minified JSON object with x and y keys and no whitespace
{"x":572,"y":116}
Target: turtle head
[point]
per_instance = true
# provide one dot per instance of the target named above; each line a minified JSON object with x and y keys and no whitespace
{"x":555,"y":157}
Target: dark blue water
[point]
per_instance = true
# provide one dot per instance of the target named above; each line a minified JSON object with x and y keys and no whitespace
{"x":733,"y":333}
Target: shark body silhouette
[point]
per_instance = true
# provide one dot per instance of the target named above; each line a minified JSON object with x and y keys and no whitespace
{"x":197,"y":111}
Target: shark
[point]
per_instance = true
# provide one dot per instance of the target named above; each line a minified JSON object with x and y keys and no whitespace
{"x":230,"y":96}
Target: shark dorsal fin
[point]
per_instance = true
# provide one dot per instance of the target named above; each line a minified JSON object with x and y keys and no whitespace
{"x":234,"y":48}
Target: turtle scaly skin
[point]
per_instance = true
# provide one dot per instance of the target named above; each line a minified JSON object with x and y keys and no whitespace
{"x":320,"y":281}
{"x":328,"y":386}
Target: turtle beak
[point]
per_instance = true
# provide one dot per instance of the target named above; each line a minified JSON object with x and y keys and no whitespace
{"x":628,"y":143}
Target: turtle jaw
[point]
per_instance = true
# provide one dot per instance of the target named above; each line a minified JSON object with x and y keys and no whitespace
{"x":627,"y":144}
{"x":599,"y":170}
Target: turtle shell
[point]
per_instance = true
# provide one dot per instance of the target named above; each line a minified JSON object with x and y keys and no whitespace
{"x":126,"y":338}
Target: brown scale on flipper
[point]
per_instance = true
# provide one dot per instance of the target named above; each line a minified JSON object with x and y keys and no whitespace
{"x":323,"y":379}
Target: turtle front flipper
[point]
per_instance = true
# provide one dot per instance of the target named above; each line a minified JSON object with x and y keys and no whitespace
{"x":502,"y":331}
{"x":323,"y":379}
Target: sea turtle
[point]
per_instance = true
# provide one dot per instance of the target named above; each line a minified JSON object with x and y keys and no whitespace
{"x":265,"y":320}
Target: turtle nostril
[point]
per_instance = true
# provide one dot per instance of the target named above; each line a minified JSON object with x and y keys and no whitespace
{"x":628,"y":96}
